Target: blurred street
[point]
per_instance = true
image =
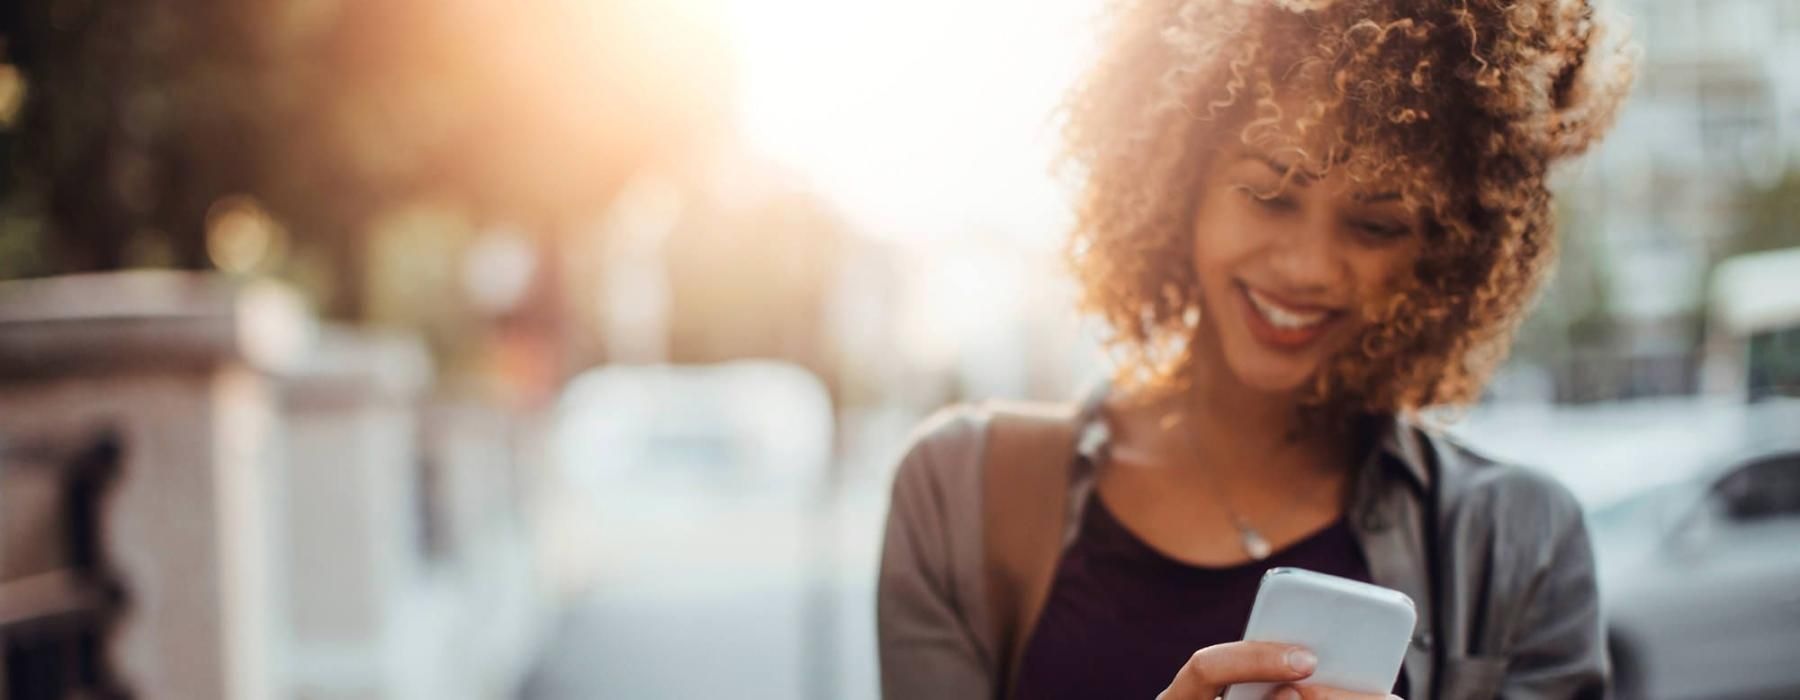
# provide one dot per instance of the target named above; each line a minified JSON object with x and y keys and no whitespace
{"x":730,"y":633}
{"x":735,"y":591}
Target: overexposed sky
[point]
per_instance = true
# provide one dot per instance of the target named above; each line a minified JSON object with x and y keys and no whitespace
{"x":923,"y":119}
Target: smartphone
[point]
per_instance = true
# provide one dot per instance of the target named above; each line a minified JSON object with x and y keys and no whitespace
{"x":1358,"y":630}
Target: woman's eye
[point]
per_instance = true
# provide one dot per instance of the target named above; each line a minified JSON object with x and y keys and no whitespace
{"x":1381,"y":230}
{"x":1279,"y":204}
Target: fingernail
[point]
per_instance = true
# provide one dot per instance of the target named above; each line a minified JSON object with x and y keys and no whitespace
{"x":1302,"y":661}
{"x":1287,"y":692}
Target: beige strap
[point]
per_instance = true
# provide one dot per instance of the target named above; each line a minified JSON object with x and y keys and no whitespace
{"x":1026,"y":472}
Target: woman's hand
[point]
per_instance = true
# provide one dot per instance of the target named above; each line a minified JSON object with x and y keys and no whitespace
{"x":1210,"y":670}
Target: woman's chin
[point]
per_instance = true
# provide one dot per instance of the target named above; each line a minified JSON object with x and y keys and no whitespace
{"x":1274,"y":377}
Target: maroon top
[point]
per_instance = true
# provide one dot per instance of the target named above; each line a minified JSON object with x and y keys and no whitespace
{"x":1122,"y":617}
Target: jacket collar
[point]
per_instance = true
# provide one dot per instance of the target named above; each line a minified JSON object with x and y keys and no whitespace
{"x":1403,"y":445}
{"x":1399,"y":445}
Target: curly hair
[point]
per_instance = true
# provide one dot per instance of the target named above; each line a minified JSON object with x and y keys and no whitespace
{"x":1462,"y":105}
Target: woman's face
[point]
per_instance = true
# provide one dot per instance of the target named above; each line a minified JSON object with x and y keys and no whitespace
{"x":1283,"y":277}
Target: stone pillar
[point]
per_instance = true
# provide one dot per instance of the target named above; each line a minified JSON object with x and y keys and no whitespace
{"x":181,"y":366}
{"x":351,"y":521}
{"x":476,"y":455}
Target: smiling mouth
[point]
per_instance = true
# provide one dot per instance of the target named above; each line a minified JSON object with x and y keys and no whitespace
{"x":1281,"y":325}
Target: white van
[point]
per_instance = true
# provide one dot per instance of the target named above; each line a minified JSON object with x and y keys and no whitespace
{"x":1753,"y":346}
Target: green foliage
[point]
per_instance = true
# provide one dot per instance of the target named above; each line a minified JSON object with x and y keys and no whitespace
{"x":1770,"y":217}
{"x":1574,"y":307}
{"x":142,"y":115}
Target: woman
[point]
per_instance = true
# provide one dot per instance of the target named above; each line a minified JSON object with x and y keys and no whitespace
{"x":1304,"y":222}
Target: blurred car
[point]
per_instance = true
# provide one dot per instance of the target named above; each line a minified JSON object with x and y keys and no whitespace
{"x":699,"y":492}
{"x":1700,"y":580}
{"x":662,"y":438}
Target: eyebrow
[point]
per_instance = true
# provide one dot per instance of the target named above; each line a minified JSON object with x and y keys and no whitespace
{"x":1305,"y":178}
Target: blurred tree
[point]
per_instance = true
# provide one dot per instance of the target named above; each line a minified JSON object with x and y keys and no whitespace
{"x":1573,"y":308}
{"x":752,"y":278}
{"x":1769,"y":218}
{"x":1764,"y":219}
{"x":142,"y":115}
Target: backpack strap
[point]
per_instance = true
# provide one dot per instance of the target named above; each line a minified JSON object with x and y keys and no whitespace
{"x":1026,"y":472}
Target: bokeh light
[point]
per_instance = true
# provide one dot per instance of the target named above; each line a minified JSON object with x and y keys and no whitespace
{"x":241,"y":236}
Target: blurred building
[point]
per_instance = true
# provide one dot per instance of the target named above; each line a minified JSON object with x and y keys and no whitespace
{"x":1715,"y":113}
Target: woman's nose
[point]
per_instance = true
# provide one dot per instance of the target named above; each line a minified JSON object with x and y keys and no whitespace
{"x":1305,"y":256}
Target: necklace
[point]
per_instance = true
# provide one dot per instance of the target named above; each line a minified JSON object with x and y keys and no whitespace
{"x":1252,"y":540}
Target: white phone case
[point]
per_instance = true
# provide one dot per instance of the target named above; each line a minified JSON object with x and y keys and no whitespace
{"x":1359,"y":631}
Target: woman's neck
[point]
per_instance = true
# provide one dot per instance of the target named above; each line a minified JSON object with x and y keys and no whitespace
{"x":1224,"y":406}
{"x":1222,"y":425}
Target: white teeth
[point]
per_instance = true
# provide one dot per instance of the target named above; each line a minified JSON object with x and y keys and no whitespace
{"x":1282,"y":317}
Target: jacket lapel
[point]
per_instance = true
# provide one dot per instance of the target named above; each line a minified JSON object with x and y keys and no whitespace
{"x":1389,"y":521}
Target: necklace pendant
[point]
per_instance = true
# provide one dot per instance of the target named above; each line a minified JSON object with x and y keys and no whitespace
{"x":1255,"y":545}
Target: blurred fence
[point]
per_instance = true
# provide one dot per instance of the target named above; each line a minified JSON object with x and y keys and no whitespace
{"x":205,"y":496}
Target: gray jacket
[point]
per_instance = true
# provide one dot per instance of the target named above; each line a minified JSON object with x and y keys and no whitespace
{"x":1512,"y":610}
